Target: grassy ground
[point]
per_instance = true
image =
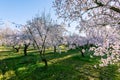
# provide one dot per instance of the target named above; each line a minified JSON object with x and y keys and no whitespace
{"x":64,"y":66}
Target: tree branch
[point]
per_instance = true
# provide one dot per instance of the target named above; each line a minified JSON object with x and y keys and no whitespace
{"x":115,"y":9}
{"x":112,"y":7}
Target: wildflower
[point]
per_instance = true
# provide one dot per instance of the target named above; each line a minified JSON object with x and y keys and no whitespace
{"x":83,"y":50}
{"x":91,"y":56}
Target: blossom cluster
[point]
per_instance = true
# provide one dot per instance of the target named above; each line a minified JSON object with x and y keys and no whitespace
{"x":109,"y":54}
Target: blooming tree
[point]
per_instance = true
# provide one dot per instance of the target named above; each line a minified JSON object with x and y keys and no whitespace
{"x":94,"y":16}
{"x":109,"y":49}
{"x":26,"y":40}
{"x":89,"y":13}
{"x":38,"y":28}
{"x":44,"y":33}
{"x":10,"y":37}
{"x":56,"y":35}
{"x":76,"y":41}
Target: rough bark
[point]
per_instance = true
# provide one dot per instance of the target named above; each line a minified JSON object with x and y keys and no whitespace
{"x":45,"y":61}
{"x":16,"y":48}
{"x":82,"y":54}
{"x":55,"y":49}
{"x":112,"y":7}
{"x":25,"y":49}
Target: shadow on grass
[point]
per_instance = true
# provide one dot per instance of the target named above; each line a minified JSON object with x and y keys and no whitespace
{"x":16,"y":62}
{"x":5,"y":52}
{"x":109,"y":73}
{"x":73,"y":68}
{"x":20,"y":66}
{"x":67,"y":67}
{"x":86,"y":70}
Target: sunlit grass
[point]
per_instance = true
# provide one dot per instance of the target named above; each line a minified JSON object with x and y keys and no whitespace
{"x":61,"y":59}
{"x":65,"y":66}
{"x":9,"y":74}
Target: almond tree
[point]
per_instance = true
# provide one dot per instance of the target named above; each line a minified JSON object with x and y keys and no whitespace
{"x":56,"y":35}
{"x":41,"y":28}
{"x":109,"y":47}
{"x":26,"y":40}
{"x":76,"y":41}
{"x":5,"y":33}
{"x":98,"y":14}
{"x":89,"y":13}
{"x":10,"y":37}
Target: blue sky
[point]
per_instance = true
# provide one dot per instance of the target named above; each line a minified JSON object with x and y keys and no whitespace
{"x":20,"y":11}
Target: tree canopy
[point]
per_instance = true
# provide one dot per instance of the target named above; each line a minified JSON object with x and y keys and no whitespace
{"x":89,"y":13}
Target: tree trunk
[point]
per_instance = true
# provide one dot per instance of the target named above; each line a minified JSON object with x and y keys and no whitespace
{"x":42,"y":55}
{"x":45,"y":61}
{"x":34,"y":46}
{"x":16,"y":48}
{"x":82,"y":54}
{"x":25,"y":49}
{"x":54,"y":49}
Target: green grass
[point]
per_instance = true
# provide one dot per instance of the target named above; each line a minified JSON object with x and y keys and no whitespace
{"x":64,"y":66}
